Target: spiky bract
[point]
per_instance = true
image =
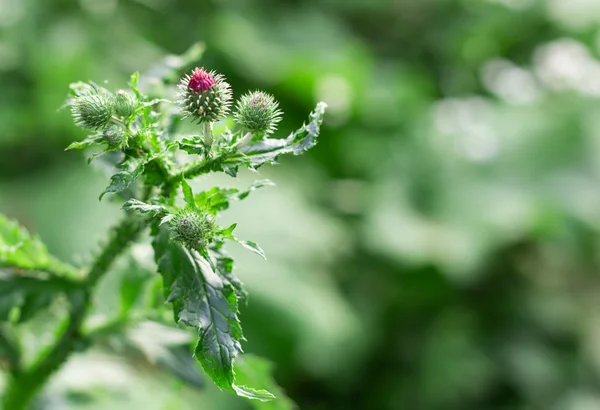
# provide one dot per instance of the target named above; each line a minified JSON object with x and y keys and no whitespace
{"x":204,"y":96}
{"x":193,"y":228}
{"x":258,"y":112}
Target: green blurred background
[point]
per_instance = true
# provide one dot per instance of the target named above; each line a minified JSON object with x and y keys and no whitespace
{"x":438,"y":249}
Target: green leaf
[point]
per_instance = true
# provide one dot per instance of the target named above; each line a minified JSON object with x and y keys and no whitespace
{"x":225,"y":270}
{"x":18,"y":249}
{"x":268,"y":150}
{"x":188,"y":195}
{"x":193,"y":145}
{"x":30,"y":293}
{"x":169,"y":69}
{"x":256,"y":370}
{"x":134,"y":82}
{"x":144,"y":208}
{"x":86,"y":143}
{"x":131,"y":169}
{"x":252,"y":247}
{"x":201,"y":299}
{"x":217,"y":199}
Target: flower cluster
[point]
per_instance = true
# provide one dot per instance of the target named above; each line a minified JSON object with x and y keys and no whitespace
{"x":94,"y":108}
{"x":206,"y":97}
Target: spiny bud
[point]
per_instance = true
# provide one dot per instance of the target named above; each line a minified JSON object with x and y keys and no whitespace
{"x":193,"y":228}
{"x":257,"y":112}
{"x":113,"y":136}
{"x":125,"y":104}
{"x":92,"y":111}
{"x":204,"y":96}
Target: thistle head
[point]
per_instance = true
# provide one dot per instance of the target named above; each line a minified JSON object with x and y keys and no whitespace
{"x":204,"y":96}
{"x":125,"y":104}
{"x":92,"y":110}
{"x":113,"y":136}
{"x":200,"y":81}
{"x":193,"y":228}
{"x":258,"y":112}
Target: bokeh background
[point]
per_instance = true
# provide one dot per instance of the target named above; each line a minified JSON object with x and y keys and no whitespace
{"x":438,"y":249}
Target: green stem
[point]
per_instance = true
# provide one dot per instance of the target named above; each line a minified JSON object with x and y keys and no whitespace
{"x":194,"y":169}
{"x":25,"y":385}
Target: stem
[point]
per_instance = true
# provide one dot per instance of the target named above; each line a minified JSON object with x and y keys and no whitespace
{"x":194,"y":169}
{"x":207,"y":127}
{"x":24,"y":386}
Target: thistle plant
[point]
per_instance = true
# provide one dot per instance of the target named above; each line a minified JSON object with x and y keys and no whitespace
{"x":137,"y":136}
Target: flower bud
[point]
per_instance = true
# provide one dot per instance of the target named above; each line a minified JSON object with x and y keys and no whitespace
{"x":257,"y":112}
{"x":113,"y":136}
{"x":92,"y":111}
{"x":204,"y":96}
{"x":125,"y":104}
{"x":193,"y":228}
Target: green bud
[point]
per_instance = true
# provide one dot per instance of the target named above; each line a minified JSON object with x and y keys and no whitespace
{"x":257,"y":112}
{"x":113,"y":136}
{"x":125,"y":104}
{"x":92,"y":111}
{"x":193,"y":228}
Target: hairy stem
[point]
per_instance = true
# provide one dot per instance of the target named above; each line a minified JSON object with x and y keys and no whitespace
{"x":24,"y":385}
{"x":195,"y":168}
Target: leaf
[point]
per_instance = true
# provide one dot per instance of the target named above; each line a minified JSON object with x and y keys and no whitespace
{"x":132,"y":168}
{"x":193,"y":145}
{"x":188,"y":195}
{"x":268,"y":150}
{"x":252,"y":246}
{"x":30,"y":293}
{"x":225,"y":270}
{"x":144,"y":208}
{"x":86,"y":143}
{"x":201,"y":299}
{"x":18,"y":249}
{"x":217,"y":199}
{"x":134,"y":82}
{"x":256,"y":370}
{"x":170,"y":68}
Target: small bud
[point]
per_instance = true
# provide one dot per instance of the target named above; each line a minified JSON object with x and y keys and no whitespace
{"x":257,"y":112}
{"x":193,"y":228}
{"x":113,"y":136}
{"x":92,"y":111}
{"x":204,"y":96}
{"x":125,"y":104}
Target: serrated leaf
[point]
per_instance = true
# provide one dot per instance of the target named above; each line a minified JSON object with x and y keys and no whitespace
{"x":225,"y":270}
{"x":193,"y":145}
{"x":188,"y":195}
{"x":201,"y":299}
{"x":144,"y":208}
{"x":86,"y":143}
{"x":217,"y":199}
{"x":18,"y":249}
{"x":131,"y":170}
{"x":268,"y":150}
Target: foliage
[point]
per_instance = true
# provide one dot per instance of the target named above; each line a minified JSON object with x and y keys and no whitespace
{"x":189,"y":247}
{"x":438,"y":250}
